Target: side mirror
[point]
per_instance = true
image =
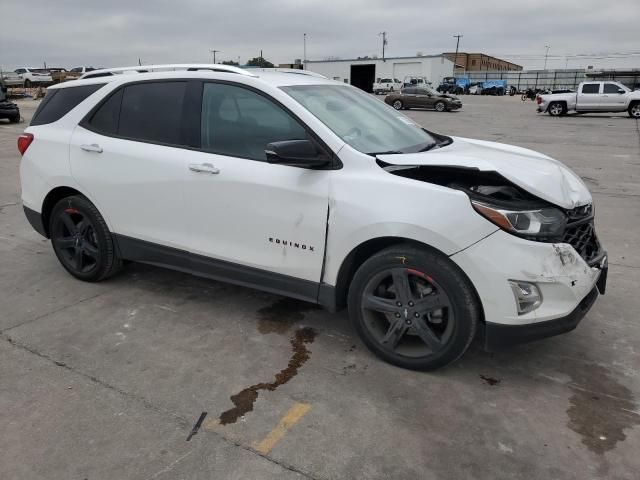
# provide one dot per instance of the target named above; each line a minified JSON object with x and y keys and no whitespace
{"x":296,"y":153}
{"x":621,"y":91}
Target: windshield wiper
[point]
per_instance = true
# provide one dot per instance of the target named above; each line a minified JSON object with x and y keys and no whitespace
{"x":388,"y":152}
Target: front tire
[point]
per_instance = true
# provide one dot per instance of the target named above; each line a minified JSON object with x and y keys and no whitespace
{"x":413,"y":307}
{"x":27,"y":83}
{"x":556,"y":109}
{"x":81,"y":240}
{"x":397,"y":104}
{"x":634,"y":110}
{"x":440,"y":107}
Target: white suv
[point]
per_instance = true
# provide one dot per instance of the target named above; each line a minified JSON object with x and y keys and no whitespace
{"x":33,"y":76}
{"x":310,"y":188}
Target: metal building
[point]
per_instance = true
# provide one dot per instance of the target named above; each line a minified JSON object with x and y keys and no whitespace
{"x":362,"y":72}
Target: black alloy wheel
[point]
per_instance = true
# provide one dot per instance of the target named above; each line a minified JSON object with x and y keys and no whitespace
{"x":397,"y":104}
{"x":413,"y":307}
{"x":440,"y":107}
{"x":81,"y":240}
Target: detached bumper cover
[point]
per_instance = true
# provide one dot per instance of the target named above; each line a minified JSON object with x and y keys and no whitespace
{"x":498,"y":336}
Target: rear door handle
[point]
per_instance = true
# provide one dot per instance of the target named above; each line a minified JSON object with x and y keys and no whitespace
{"x":94,"y":147}
{"x":203,"y":168}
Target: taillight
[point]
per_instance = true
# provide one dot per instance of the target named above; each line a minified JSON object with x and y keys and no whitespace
{"x":24,"y":141}
{"x":538,"y":99}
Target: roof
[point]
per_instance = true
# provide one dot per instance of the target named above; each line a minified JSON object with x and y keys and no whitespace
{"x":272,"y":76}
{"x":373,"y":59}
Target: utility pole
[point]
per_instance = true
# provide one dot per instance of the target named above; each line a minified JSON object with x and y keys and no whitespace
{"x":304,"y":55}
{"x":546,"y":55}
{"x":384,"y":42}
{"x":455,"y":59}
{"x":261,"y":59}
{"x":214,"y":54}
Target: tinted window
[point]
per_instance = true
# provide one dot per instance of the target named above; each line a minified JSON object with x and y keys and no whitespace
{"x":57,"y":103}
{"x":611,"y":88}
{"x":152,"y":112}
{"x":590,"y":88}
{"x":105,"y":119}
{"x":240,"y":123}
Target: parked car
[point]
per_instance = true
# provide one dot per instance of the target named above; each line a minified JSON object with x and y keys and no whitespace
{"x":33,"y":76}
{"x":384,"y":85}
{"x":307,"y":187}
{"x":592,"y":97}
{"x":422,"y":97}
{"x":454,"y":85}
{"x":11,"y":79}
{"x":475,"y":88}
{"x":8,"y":109}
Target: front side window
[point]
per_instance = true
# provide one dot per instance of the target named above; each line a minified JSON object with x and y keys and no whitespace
{"x":360,"y":120}
{"x":613,"y":88}
{"x":239,"y":122}
{"x":152,"y":112}
{"x":590,"y":88}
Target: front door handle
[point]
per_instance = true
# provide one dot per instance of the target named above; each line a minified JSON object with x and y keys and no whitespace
{"x":203,"y":168}
{"x":94,"y":147}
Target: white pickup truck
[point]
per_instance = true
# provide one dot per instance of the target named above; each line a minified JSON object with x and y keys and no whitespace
{"x":384,"y":85}
{"x":592,"y":97}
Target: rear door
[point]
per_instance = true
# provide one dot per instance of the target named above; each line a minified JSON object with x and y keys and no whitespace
{"x":409,"y":97}
{"x":612,"y":99}
{"x":589,"y":97}
{"x":128,"y":155}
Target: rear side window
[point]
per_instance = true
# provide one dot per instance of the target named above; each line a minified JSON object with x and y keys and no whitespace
{"x":106,"y":118}
{"x":152,"y":112}
{"x":57,"y":103}
{"x":590,"y":88}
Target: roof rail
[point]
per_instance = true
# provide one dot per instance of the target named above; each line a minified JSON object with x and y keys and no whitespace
{"x":288,"y":70}
{"x":215,"y":67}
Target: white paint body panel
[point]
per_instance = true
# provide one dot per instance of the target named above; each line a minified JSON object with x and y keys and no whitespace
{"x":148,"y":192}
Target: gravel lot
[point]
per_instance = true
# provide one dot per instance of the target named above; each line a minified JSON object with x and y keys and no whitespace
{"x":105,"y":381}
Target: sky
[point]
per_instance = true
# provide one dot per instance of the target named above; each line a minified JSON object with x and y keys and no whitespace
{"x":107,"y":33}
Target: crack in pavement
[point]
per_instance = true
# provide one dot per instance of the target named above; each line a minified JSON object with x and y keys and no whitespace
{"x":44,"y":315}
{"x":182,"y":421}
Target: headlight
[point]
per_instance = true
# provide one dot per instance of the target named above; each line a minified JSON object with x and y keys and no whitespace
{"x":544,"y":222}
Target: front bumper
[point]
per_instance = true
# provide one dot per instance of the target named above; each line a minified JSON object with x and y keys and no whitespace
{"x":564,"y":279}
{"x":498,"y":336}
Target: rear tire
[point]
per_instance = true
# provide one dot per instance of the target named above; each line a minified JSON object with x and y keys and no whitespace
{"x":556,"y":109}
{"x":413,"y":307}
{"x":440,"y":107}
{"x":15,"y":119}
{"x":81,"y":240}
{"x":397,"y":104}
{"x":27,"y":83}
{"x":634,"y":110}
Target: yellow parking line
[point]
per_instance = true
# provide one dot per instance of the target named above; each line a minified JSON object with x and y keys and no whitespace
{"x":294,"y":414}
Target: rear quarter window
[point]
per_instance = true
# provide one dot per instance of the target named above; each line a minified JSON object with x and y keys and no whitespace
{"x":57,"y":103}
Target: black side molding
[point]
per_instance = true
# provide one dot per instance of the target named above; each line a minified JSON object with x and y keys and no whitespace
{"x":498,"y":336}
{"x":183,"y":261}
{"x":35,"y":220}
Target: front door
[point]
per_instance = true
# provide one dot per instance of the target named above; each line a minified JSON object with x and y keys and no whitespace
{"x":612,"y":99}
{"x":262,"y":222}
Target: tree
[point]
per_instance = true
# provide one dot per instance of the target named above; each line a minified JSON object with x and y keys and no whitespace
{"x":230,"y":62}
{"x":259,"y":62}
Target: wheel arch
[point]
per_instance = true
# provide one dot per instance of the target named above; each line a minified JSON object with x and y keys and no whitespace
{"x":359,"y":254}
{"x":54,"y":196}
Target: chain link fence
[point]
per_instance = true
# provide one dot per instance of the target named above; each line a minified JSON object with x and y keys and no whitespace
{"x":569,"y":78}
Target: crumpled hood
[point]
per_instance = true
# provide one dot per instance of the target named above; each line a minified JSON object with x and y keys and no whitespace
{"x":536,"y":173}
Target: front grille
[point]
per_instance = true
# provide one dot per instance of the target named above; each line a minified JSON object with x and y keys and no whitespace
{"x":581,"y":234}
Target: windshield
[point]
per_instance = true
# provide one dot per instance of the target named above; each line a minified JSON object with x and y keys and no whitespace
{"x":366,"y":124}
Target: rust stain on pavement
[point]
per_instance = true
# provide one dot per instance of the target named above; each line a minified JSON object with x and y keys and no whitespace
{"x":244,"y":400}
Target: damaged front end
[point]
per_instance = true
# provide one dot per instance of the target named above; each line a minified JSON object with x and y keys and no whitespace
{"x":513,"y":209}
